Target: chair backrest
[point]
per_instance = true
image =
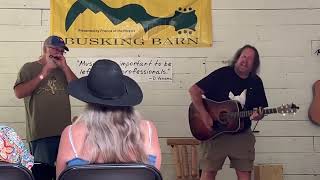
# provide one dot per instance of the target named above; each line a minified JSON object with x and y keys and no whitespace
{"x":43,"y":171}
{"x":111,"y":172}
{"x":10,"y":171}
{"x":186,"y":166}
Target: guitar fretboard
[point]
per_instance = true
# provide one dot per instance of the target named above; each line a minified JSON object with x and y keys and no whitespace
{"x":248,"y":113}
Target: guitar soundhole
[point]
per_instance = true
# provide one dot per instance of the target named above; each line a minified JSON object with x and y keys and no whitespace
{"x":223,"y":119}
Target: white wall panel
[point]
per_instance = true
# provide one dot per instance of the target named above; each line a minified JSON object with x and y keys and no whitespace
{"x":286,"y":33}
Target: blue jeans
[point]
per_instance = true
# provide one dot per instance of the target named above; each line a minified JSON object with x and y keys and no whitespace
{"x":45,"y":150}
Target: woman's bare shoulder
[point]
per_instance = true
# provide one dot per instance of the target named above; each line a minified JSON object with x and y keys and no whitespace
{"x":145,"y":123}
{"x":79,"y":128}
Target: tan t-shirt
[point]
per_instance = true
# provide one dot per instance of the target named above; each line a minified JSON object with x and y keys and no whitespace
{"x":48,"y":109}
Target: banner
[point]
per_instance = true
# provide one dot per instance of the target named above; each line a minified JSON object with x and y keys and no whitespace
{"x":138,"y":68}
{"x":132,"y":23}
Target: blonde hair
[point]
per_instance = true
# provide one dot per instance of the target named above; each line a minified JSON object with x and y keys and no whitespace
{"x":114,"y":134}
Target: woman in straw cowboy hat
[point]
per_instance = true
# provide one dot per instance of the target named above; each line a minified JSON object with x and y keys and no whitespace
{"x":109,"y":130}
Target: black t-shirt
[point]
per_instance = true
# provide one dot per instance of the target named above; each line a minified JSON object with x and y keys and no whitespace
{"x":222,"y":82}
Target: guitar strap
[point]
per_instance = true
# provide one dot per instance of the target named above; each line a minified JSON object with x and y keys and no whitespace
{"x":253,"y":130}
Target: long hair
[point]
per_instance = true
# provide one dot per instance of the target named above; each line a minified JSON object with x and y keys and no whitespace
{"x":114,"y":134}
{"x":256,"y":63}
{"x":44,"y":50}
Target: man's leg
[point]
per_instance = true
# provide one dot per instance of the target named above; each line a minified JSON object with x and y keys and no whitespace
{"x":208,"y":175}
{"x":243,"y":175}
{"x":242,"y":154}
{"x":45,"y":151}
{"x":212,"y":156}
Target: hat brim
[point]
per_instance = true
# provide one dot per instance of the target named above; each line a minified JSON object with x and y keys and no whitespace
{"x":133,"y":96}
{"x":64,"y":47}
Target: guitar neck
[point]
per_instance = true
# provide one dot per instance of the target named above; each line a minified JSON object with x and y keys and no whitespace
{"x":248,"y":113}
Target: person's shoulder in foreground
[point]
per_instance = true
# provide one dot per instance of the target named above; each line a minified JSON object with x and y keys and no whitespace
{"x":12,"y":149}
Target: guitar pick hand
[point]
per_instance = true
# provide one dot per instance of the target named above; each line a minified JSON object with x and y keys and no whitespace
{"x":207,"y":120}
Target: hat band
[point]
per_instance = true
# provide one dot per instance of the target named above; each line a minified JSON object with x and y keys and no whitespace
{"x":108,"y":97}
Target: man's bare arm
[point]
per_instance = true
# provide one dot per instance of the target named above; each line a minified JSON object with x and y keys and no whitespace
{"x":196,"y":96}
{"x":70,"y":76}
{"x":26,"y":88}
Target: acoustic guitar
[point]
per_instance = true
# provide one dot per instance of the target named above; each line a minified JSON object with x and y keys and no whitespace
{"x":314,"y":109}
{"x":226,"y":117}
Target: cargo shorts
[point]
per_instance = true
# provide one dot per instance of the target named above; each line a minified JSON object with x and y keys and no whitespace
{"x":239,"y":148}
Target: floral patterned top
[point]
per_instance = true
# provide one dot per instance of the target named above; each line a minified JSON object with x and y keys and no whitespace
{"x":12,"y":149}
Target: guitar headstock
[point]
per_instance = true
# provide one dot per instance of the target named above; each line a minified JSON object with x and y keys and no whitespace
{"x":287,"y":109}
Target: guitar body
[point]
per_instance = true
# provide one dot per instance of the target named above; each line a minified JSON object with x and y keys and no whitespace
{"x":314,"y":109}
{"x":221,"y":124}
{"x":226,"y":116}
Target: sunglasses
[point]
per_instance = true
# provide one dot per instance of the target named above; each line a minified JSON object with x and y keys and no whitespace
{"x":58,"y":50}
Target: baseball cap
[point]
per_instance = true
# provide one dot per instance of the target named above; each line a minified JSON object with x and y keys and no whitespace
{"x":55,"y":41}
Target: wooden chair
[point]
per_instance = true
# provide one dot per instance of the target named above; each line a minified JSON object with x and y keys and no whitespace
{"x":186,"y":168}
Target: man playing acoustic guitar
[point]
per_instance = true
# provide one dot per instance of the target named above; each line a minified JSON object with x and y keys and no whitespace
{"x":239,"y":82}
